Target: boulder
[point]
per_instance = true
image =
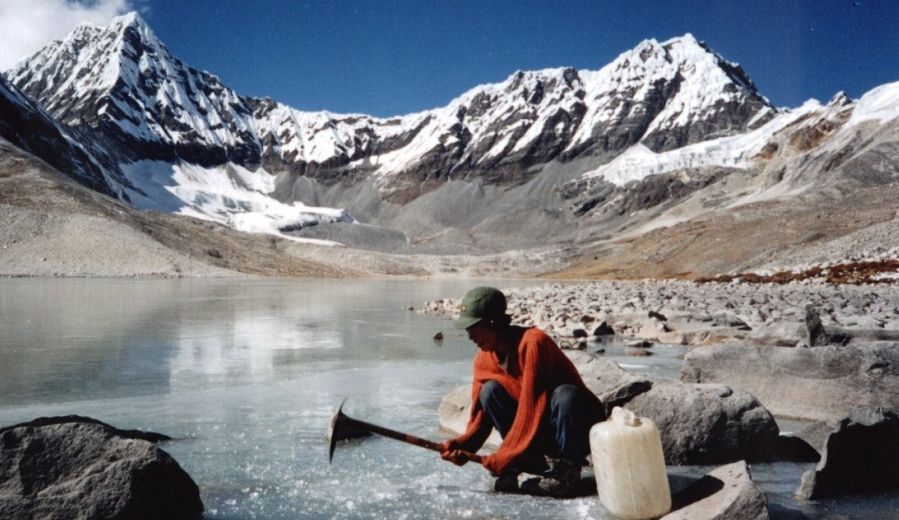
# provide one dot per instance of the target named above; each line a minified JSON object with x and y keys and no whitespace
{"x":603,"y":329}
{"x":657,"y":315}
{"x":794,"y":448}
{"x":813,"y":332}
{"x":708,"y":424}
{"x":726,"y":493}
{"x":859,"y":455}
{"x":60,"y":468}
{"x":453,"y":413}
{"x":699,"y":336}
{"x":650,"y":328}
{"x":673,"y":338}
{"x":612,"y":384}
{"x":700,"y":424}
{"x":729,"y":319}
{"x":820,"y":383}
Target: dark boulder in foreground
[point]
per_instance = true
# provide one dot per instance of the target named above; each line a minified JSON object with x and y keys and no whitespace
{"x":860,"y":455}
{"x":76,"y":467}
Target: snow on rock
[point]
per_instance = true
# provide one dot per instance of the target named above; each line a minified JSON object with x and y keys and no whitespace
{"x":880,"y":103}
{"x":697,"y":81}
{"x":230,"y":195}
{"x":737,"y":151}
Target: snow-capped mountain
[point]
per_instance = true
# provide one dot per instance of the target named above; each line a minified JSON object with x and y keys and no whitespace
{"x":667,"y":117}
{"x":144,"y":103}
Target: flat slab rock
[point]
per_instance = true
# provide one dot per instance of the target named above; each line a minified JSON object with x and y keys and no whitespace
{"x":727,"y":493}
{"x":859,"y":455}
{"x":63,"y":468}
{"x":818,"y":383}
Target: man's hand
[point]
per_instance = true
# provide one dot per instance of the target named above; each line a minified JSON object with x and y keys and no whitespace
{"x":450,"y":451}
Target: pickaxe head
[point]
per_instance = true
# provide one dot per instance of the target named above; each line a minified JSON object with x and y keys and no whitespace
{"x":343,"y":427}
{"x":334,"y":433}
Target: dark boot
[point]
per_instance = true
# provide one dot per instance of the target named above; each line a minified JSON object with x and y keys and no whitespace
{"x":561,"y":481}
{"x":507,"y":483}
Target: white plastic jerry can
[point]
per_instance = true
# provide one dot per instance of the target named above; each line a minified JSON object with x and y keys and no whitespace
{"x":630,"y":466}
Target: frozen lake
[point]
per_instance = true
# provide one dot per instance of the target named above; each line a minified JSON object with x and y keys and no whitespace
{"x":246,"y":375}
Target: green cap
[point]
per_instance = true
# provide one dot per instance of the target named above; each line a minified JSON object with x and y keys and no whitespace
{"x":481,"y":303}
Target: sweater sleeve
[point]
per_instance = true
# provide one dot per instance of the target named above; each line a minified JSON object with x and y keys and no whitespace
{"x":478,"y":428}
{"x":536,"y":367}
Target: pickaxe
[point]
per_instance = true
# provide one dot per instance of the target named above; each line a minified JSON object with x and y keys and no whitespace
{"x":342,"y":424}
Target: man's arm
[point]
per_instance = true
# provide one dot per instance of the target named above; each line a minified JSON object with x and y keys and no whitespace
{"x":476,"y":432}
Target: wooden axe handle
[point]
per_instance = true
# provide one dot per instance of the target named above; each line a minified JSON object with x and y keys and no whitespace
{"x":407,"y":438}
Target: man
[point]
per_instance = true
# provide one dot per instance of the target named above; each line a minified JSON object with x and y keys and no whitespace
{"x":524,"y":386}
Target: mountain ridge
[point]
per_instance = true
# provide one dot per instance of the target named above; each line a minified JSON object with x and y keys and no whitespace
{"x":665,"y":132}
{"x":172,"y":111}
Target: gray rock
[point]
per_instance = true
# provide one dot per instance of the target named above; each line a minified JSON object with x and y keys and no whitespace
{"x":453,"y":414}
{"x":814,"y":334}
{"x":61,"y":470}
{"x":614,"y":385}
{"x":729,"y":319}
{"x":818,"y":383}
{"x":603,"y":329}
{"x":860,"y":455}
{"x":708,"y":424}
{"x":815,"y":435}
{"x":726,"y":493}
{"x":657,"y":315}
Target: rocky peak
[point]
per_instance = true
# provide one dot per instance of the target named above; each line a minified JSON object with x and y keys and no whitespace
{"x":91,"y":59}
{"x":840,"y":99}
{"x":122,"y":85}
{"x":29,"y":128}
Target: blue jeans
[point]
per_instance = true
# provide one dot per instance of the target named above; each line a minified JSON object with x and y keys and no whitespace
{"x":565,"y":427}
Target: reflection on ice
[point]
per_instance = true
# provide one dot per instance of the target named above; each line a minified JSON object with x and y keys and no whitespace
{"x":247,"y":346}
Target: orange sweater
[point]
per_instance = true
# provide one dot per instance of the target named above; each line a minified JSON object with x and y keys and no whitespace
{"x":537,"y":369}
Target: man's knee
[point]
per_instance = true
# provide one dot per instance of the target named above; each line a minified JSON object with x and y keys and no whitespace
{"x":569,"y":399}
{"x":564,"y":398}
{"x":490,"y":390}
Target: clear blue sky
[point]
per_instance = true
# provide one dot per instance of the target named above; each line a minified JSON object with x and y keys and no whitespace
{"x":394,"y":57}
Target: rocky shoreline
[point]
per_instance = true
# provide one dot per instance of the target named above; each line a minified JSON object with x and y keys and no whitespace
{"x":802,"y":349}
{"x":689,"y":313}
